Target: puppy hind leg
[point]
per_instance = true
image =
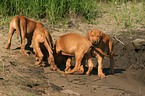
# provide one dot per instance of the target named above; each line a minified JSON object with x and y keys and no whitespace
{"x":90,"y":64}
{"x":28,"y":43}
{"x":111,"y":65}
{"x":22,"y":35}
{"x":110,"y":53}
{"x":11,"y":32}
{"x":23,"y":45}
{"x":40,"y":55}
{"x":51,"y":57}
{"x":37,"y":50}
{"x":36,"y":54}
{"x":79,"y":56}
{"x":83,"y":63}
{"x":68,"y":64}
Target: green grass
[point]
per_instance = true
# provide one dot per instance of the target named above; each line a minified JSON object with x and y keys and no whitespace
{"x":12,"y":94}
{"x":126,"y":14}
{"x":54,"y":10}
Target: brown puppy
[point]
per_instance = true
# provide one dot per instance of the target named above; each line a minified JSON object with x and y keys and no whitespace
{"x":74,"y":44}
{"x":42,"y":44}
{"x":25,"y":27}
{"x":105,"y":43}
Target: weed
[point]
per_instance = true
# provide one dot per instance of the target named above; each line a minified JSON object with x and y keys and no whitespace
{"x":12,"y":94}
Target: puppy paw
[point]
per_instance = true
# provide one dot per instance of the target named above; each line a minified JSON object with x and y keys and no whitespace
{"x":43,"y":65}
{"x":87,"y":73}
{"x":7,"y":47}
{"x":67,"y":69}
{"x":37,"y":64}
{"x":24,"y":53}
{"x":101,"y":75}
{"x":53,"y":67}
{"x":37,"y":58}
{"x":81,"y":71}
{"x":67,"y":72}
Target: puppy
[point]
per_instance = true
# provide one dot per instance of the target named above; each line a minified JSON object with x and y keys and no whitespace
{"x":105,"y":43}
{"x":74,"y":44}
{"x":43,"y":44}
{"x":25,"y":27}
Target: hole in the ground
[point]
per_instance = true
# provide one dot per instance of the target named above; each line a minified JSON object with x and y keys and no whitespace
{"x":136,"y":50}
{"x":32,"y":85}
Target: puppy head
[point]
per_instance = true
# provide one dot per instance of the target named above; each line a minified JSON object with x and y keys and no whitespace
{"x":94,"y":36}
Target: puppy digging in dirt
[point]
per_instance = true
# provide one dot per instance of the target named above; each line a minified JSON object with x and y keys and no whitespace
{"x":105,"y":43}
{"x":25,"y":27}
{"x":42,"y":46}
{"x":74,"y":44}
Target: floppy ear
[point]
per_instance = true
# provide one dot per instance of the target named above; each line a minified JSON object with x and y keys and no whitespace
{"x":88,"y":35}
{"x":102,"y":35}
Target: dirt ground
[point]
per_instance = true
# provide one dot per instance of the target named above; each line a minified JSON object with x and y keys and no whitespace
{"x":20,"y":77}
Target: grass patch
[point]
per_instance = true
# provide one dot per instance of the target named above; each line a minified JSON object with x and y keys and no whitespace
{"x":54,"y":10}
{"x":127,"y":14}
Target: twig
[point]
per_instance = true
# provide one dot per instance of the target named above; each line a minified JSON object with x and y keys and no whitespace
{"x":119,"y":41}
{"x":130,"y":66}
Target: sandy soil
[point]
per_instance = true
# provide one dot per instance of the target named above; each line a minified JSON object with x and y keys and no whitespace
{"x":20,"y":77}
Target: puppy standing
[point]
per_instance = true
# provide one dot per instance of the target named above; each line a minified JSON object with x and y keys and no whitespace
{"x":25,"y":27}
{"x":74,"y":44}
{"x":43,"y":44}
{"x":105,"y":43}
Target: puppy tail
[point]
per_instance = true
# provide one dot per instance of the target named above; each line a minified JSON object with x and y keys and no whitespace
{"x":111,"y":47}
{"x":100,"y":51}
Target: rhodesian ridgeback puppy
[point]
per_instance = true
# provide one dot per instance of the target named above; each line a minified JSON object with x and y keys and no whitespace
{"x":105,"y":43}
{"x":42,"y":45}
{"x":25,"y":27}
{"x":74,"y":44}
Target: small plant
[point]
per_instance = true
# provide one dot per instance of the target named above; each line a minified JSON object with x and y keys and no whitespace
{"x":12,"y":94}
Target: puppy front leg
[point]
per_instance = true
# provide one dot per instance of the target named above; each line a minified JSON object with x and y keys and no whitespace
{"x":79,"y":56}
{"x":100,"y":67}
{"x":23,"y":46}
{"x":90,"y":65}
